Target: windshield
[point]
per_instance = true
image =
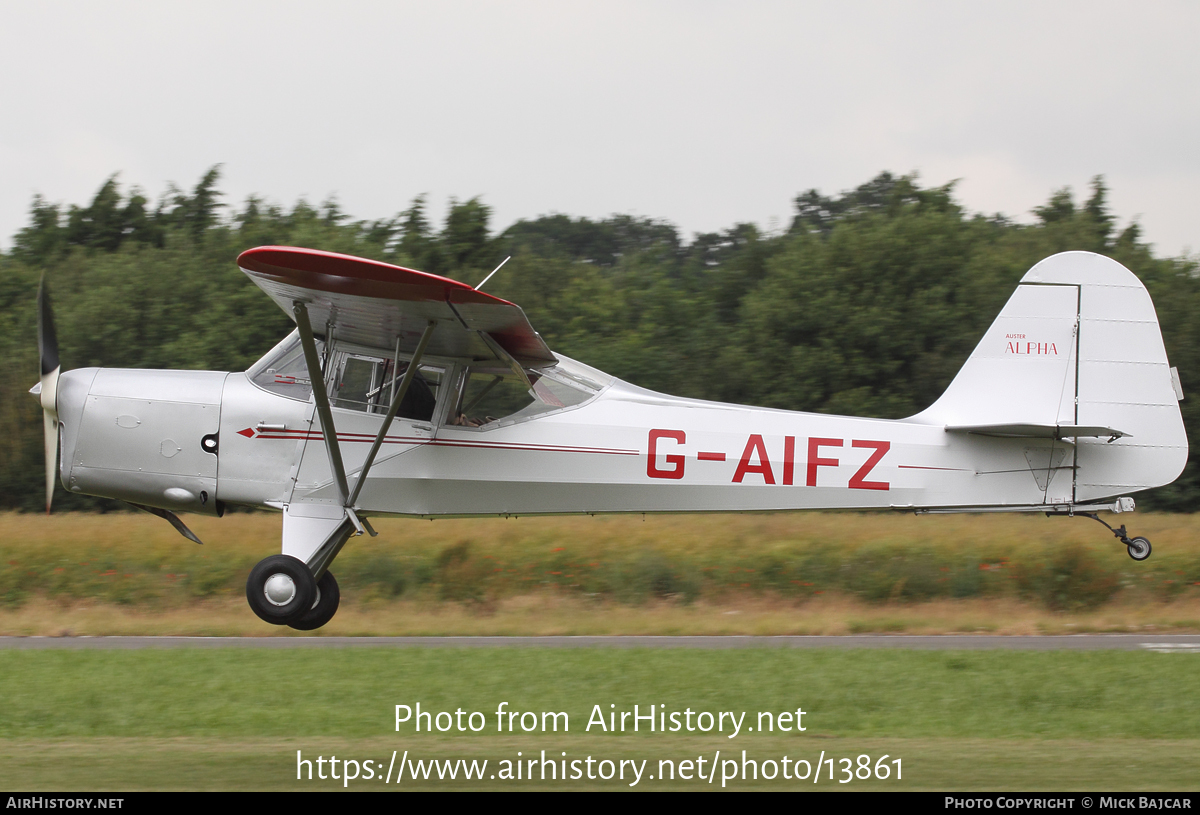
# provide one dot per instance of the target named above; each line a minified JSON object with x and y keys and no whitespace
{"x":490,"y":395}
{"x":283,"y":370}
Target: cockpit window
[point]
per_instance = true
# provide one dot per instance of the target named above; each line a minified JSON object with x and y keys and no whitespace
{"x":283,"y":370}
{"x":367,"y":384}
{"x":483,"y":396}
{"x":490,"y":396}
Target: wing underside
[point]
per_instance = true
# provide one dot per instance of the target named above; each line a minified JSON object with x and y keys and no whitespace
{"x":378,"y":305}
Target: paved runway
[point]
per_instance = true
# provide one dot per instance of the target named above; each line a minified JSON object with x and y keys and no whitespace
{"x":1168,"y":643}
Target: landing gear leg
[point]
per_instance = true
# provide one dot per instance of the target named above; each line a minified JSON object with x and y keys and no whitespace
{"x":1139,"y":548}
{"x":312,"y":538}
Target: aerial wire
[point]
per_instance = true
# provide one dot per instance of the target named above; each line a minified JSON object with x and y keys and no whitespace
{"x":489,"y":277}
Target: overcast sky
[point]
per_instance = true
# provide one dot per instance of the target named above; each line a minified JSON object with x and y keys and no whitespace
{"x":701,"y":113}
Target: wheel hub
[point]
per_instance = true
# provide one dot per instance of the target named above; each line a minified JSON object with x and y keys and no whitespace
{"x":1139,"y":549}
{"x":279,"y":589}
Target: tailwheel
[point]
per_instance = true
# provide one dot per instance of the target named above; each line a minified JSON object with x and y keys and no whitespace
{"x":325,"y":606}
{"x":1139,"y":548}
{"x":281,"y":589}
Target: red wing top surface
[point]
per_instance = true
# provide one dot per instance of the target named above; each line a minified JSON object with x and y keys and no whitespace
{"x":372,"y":303}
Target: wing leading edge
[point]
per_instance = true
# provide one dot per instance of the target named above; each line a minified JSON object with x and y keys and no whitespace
{"x":376,"y":304}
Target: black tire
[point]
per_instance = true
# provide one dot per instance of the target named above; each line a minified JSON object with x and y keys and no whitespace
{"x":1139,"y":549}
{"x":285,"y":601}
{"x":328,"y":598}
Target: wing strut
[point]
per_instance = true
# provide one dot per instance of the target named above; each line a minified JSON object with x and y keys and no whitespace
{"x":318,"y":385}
{"x":505,"y":357}
{"x":319,"y":561}
{"x":391,"y":414}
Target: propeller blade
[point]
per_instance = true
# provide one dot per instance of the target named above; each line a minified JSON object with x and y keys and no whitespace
{"x":50,"y":420}
{"x":47,"y":339}
{"x":50,"y":369}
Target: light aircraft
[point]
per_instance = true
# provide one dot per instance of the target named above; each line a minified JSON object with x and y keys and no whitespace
{"x":405,"y":393}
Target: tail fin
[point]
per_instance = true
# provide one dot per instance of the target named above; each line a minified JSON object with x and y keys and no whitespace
{"x":1077,"y":354}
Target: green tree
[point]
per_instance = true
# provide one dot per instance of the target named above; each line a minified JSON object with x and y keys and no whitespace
{"x":418,"y":246}
{"x":868,"y":305}
{"x":466,"y":246}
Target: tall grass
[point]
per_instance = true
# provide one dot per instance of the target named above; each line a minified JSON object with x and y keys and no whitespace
{"x":1061,"y":564}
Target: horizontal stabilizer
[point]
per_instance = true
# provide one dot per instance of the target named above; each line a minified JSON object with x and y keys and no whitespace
{"x":1038,"y":431}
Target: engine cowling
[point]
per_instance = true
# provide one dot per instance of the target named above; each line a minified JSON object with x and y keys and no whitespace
{"x":145,"y":436}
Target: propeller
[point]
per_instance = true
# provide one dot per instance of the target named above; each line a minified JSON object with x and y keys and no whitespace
{"x":48,"y":354}
{"x":47,"y":392}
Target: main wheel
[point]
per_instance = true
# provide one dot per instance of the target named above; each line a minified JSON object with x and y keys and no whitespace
{"x":322,"y":611}
{"x":1139,"y":548}
{"x":280,"y":589}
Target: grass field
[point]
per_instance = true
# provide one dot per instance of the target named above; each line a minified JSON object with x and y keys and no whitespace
{"x":811,"y":573}
{"x":235,"y":719}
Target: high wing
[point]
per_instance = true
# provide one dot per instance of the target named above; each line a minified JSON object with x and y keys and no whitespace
{"x":371,"y":303}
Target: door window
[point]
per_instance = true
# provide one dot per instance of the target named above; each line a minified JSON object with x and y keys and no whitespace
{"x":367,"y":384}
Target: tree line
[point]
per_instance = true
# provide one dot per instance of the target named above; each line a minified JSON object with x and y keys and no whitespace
{"x":867,"y":304}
